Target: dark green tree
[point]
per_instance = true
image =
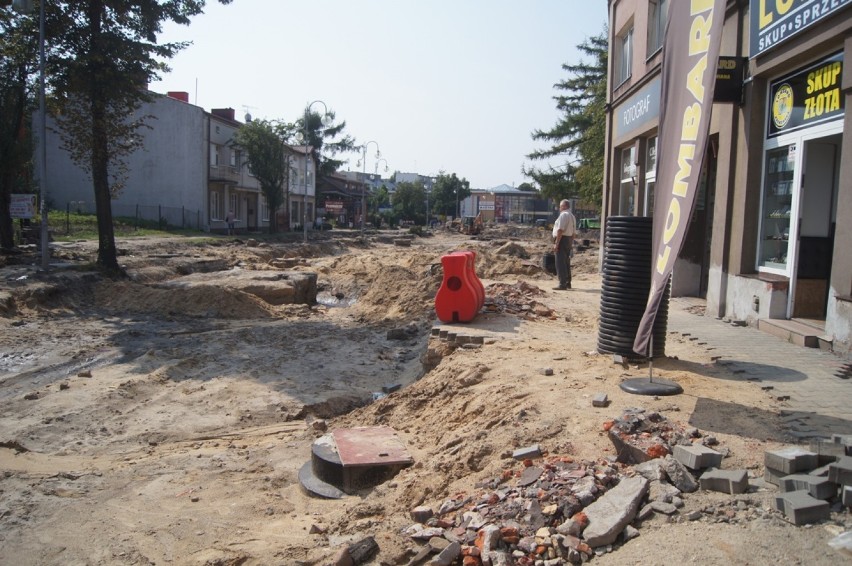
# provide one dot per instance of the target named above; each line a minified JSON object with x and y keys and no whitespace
{"x":447,"y":192}
{"x":327,"y":140}
{"x":379,"y":198}
{"x":527,"y":187}
{"x":18,"y":55}
{"x":578,"y":137}
{"x":103,"y":53}
{"x":266,"y":144}
{"x":409,"y":202}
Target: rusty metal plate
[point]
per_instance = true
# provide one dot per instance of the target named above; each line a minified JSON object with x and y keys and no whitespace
{"x":370,"y":446}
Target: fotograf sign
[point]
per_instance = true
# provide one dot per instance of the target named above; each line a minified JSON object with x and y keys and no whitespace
{"x":638,"y":111}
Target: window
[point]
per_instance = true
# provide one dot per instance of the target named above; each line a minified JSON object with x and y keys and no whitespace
{"x":235,"y":157}
{"x":214,"y":154}
{"x":264,"y":208}
{"x":650,"y":176}
{"x":624,"y":56}
{"x":234,"y":204}
{"x":656,"y":25}
{"x":215,"y":206}
{"x":626,"y":197}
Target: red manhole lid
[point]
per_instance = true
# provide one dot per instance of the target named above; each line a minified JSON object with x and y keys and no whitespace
{"x":367,"y":446}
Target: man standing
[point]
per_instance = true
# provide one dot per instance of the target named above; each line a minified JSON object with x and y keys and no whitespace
{"x":563,"y":243}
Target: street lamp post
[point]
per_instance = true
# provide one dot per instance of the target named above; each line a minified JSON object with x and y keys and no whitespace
{"x":363,"y":180}
{"x":308,"y":151}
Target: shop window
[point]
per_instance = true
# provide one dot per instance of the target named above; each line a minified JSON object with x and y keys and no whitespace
{"x":777,"y":204}
{"x":656,"y":25}
{"x":627,"y":187}
{"x":624,"y":56}
{"x":650,"y":177}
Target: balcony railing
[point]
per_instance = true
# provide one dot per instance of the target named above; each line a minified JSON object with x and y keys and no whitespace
{"x":224,"y":173}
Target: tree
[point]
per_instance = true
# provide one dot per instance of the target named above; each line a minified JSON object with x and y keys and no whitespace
{"x":579,"y":135}
{"x":447,"y":192}
{"x":102,"y":55}
{"x":378,"y":199}
{"x":527,"y":187}
{"x":18,"y":35}
{"x":409,"y":202}
{"x":266,"y":145}
{"x":323,"y":138}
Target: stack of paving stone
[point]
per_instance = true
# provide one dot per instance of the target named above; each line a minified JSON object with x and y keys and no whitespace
{"x":809,"y":479}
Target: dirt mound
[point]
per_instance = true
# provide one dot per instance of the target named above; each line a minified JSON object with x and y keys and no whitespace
{"x":206,"y":302}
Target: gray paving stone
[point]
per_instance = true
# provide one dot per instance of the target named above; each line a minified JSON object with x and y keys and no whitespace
{"x":841,"y":471}
{"x":726,"y":481}
{"x":827,"y":451}
{"x":800,"y":508}
{"x":697,"y":456}
{"x":790,"y":460}
{"x":818,"y":487}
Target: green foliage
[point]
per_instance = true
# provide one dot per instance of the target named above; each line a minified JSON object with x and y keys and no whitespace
{"x":326,"y":140}
{"x":18,"y":35}
{"x":579,"y":135}
{"x":447,"y":192}
{"x":101,"y":55}
{"x":409,"y":202}
{"x":268,"y":154}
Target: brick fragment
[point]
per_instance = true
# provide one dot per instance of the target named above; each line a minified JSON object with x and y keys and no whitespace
{"x":725,"y":481}
{"x":422,"y":513}
{"x":697,"y":456}
{"x":790,"y":460}
{"x":600,"y":400}
{"x":817,"y":487}
{"x":800,"y":508}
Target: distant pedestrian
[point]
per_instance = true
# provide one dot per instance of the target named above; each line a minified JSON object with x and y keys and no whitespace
{"x":231,"y":220}
{"x":563,"y":243}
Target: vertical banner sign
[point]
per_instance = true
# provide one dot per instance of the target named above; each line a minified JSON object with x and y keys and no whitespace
{"x":690,"y":54}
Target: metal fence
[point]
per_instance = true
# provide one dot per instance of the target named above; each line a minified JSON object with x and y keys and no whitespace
{"x":164,"y":216}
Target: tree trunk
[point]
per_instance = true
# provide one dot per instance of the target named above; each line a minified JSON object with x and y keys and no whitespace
{"x":107,"y":256}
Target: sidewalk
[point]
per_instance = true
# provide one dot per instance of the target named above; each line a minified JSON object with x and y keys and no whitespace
{"x":819,"y":404}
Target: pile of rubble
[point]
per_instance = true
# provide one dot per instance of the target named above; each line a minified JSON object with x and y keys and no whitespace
{"x":518,"y":299}
{"x":550,"y":510}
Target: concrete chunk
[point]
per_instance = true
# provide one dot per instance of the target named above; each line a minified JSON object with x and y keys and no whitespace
{"x":613,"y":511}
{"x":726,"y":481}
{"x":818,"y":487}
{"x":800,"y":508}
{"x":791,"y":460}
{"x":533,"y":451}
{"x":679,"y":476}
{"x":697,"y":456}
{"x":840,"y":472}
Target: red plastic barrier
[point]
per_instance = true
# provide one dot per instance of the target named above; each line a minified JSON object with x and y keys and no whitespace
{"x":461,"y":294}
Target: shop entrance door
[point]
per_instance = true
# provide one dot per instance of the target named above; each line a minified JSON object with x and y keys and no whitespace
{"x":816,"y":222}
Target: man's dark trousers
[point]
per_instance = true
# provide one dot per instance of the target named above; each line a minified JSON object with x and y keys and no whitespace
{"x":563,"y":262}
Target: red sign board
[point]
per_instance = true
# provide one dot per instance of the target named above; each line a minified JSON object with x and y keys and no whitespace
{"x":334,"y":205}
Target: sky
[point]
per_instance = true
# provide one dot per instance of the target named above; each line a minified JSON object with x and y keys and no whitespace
{"x":453,"y":86}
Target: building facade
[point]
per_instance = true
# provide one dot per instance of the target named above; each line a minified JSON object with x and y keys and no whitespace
{"x":188,"y":173}
{"x":769,"y":233}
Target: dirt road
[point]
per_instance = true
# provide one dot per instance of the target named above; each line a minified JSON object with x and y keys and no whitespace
{"x":159,"y":420}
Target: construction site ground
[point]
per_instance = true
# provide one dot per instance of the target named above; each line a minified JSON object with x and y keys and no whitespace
{"x":163,"y":419}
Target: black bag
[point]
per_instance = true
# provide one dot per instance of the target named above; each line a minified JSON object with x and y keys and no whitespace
{"x":548,"y":263}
